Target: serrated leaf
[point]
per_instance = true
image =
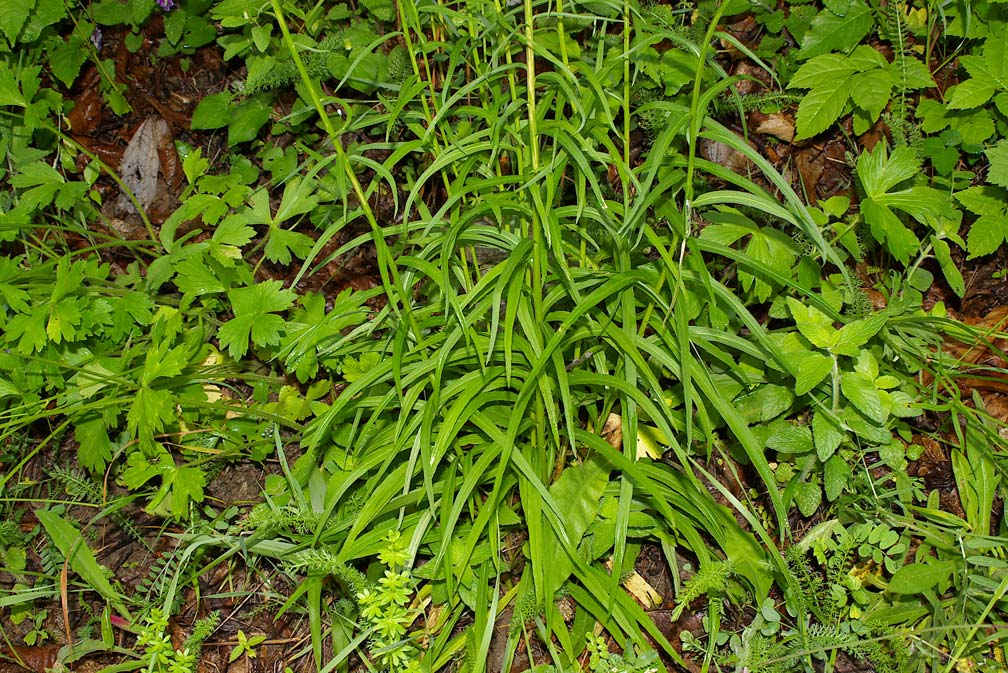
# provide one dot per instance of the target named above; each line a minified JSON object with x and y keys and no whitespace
{"x":972,"y":93}
{"x":986,"y":235}
{"x":299,"y":197}
{"x":851,"y":337}
{"x":281,"y":244}
{"x":94,"y":449}
{"x":813,"y":368}
{"x":826,"y":435}
{"x":984,"y":200}
{"x":255,"y":318}
{"x":234,"y":230}
{"x":835,"y":476}
{"x":355,"y":367}
{"x":195,"y":278}
{"x":830,"y":32}
{"x":150,"y":413}
{"x":10,"y":92}
{"x":915,"y":578}
{"x":160,"y":362}
{"x":879,"y":171}
{"x":807,"y":497}
{"x":887,"y":228}
{"x":913,"y":75}
{"x":997,"y":172}
{"x":860,"y":391}
{"x":829,"y":66}
{"x":813,"y":324}
{"x":13,"y":14}
{"x":790,"y":438}
{"x":870,"y":91}
{"x":212,"y":112}
{"x":66,"y":59}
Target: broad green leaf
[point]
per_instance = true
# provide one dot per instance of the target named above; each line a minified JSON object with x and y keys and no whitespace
{"x":915,"y":578}
{"x":828,"y":77}
{"x":870,"y":91}
{"x":246,"y":118}
{"x":826,"y":435}
{"x":12,"y":17}
{"x":283,"y":244}
{"x":914,"y":75}
{"x":578,"y":492}
{"x":300,"y":196}
{"x":984,"y":200}
{"x":860,"y":391}
{"x":997,"y":172}
{"x":255,"y":318}
{"x":790,"y":438}
{"x":812,"y":369}
{"x":765,"y":403}
{"x":65,"y":61}
{"x":849,"y":339}
{"x":179,"y":485}
{"x":836,"y":474}
{"x":213,"y":111}
{"x":71,"y":544}
{"x":830,"y":32}
{"x":887,"y":228}
{"x":94,"y":449}
{"x":986,"y":235}
{"x":971,"y":93}
{"x":151,"y":412}
{"x":865,"y":58}
{"x":879,"y":171}
{"x":161,"y":362}
{"x":10,"y":92}
{"x":808,"y":497}
{"x":813,"y":324}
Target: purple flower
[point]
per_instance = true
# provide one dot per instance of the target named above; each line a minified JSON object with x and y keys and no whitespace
{"x":166,"y":5}
{"x":96,"y":38}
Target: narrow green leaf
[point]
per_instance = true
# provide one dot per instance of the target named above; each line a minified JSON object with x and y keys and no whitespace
{"x":71,"y":544}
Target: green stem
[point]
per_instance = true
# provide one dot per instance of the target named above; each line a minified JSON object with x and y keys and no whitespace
{"x":386,"y":265}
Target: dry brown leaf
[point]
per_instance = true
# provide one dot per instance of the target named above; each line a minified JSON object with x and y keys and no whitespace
{"x":777,"y":125}
{"x":141,"y":163}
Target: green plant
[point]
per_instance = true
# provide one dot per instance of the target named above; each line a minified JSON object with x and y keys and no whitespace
{"x":245,"y":647}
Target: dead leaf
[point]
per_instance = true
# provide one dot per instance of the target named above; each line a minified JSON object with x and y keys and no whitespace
{"x":141,"y":162}
{"x":777,"y":125}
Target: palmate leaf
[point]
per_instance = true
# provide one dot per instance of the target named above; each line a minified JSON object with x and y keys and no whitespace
{"x":179,"y":485}
{"x":255,"y":318}
{"x":879,"y":172}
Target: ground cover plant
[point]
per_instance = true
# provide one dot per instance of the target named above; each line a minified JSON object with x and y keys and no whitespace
{"x":501,"y":336}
